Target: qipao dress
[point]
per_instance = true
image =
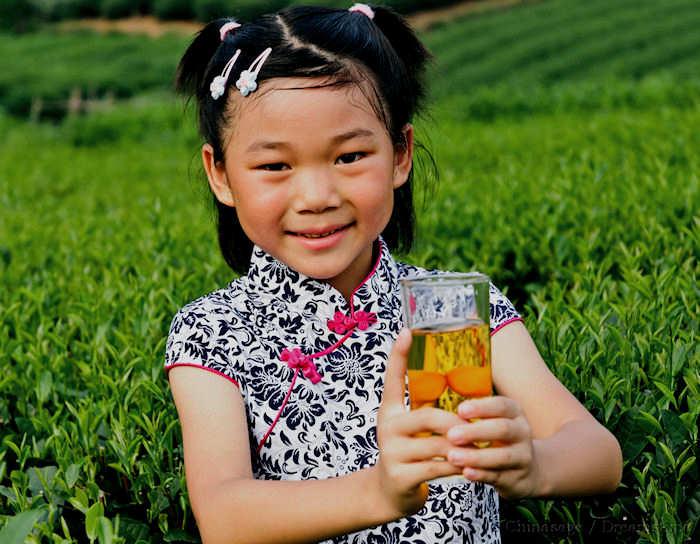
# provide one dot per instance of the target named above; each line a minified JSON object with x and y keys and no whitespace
{"x":252,"y":330}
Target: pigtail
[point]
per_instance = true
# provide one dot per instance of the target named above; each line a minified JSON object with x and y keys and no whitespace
{"x":235,"y":246}
{"x":409,"y":49}
{"x":400,"y":232}
{"x":195,"y":63}
{"x":192,"y":78}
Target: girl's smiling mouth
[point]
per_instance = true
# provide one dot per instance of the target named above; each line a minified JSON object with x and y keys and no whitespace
{"x":323,"y":232}
{"x":323,"y":238}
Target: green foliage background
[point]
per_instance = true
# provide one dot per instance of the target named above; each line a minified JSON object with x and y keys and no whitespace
{"x":24,"y":15}
{"x":566,"y":138}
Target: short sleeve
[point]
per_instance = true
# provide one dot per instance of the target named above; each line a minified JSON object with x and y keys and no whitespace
{"x":195,"y":339}
{"x":502,"y":312}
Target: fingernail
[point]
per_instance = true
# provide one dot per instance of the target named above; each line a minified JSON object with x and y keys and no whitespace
{"x":466,"y":409}
{"x":454,"y":435}
{"x":455,"y":457}
{"x":404,"y":335}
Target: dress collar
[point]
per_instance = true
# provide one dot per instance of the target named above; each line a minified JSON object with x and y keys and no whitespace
{"x":269,"y":275}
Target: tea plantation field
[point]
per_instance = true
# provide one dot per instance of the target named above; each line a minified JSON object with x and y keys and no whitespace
{"x":573,"y":184}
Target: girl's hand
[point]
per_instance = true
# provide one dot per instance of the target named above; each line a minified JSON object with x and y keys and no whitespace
{"x":509,"y":464}
{"x":406,"y":462}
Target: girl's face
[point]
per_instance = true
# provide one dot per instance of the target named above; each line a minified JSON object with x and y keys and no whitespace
{"x":311,"y":173}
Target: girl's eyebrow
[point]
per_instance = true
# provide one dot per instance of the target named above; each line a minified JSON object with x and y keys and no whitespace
{"x":340,"y":138}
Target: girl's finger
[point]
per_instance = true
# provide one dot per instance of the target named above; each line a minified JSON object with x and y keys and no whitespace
{"x":428,"y":470}
{"x":410,"y":450}
{"x":490,"y":477}
{"x":506,"y":457}
{"x":495,"y":406}
{"x":395,"y":376}
{"x":425,"y":419}
{"x":502,"y":429}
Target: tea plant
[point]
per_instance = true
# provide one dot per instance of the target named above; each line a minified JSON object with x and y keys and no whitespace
{"x":576,"y":195}
{"x":587,"y":221}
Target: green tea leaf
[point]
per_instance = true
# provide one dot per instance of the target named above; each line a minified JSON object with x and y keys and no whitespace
{"x":692,"y":505}
{"x":686,"y":467}
{"x":72,"y":475}
{"x":666,"y":392}
{"x":666,"y":451}
{"x":641,"y":479}
{"x":45,"y":386}
{"x":105,"y":532}
{"x":80,"y":500}
{"x":525,"y":512}
{"x":632,"y":433}
{"x":8,"y":493}
{"x":678,"y":358}
{"x":675,"y":429}
{"x":649,"y":422}
{"x":19,"y":526}
{"x":92,"y":518}
{"x":133,"y":530}
{"x":40,"y":479}
{"x":178,"y":535}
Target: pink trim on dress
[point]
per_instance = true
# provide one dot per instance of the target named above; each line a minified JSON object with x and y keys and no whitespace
{"x":195,"y":365}
{"x":371,"y":273}
{"x":279,"y":412}
{"x":494,"y":331}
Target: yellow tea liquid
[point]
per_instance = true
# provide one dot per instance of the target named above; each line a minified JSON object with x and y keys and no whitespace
{"x":449,"y":364}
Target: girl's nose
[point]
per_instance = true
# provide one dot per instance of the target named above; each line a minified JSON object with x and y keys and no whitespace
{"x":315,"y":191}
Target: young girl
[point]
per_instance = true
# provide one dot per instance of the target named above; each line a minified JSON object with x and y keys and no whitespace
{"x":306,"y":116}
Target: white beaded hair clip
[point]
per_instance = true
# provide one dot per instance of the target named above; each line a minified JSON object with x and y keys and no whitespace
{"x":247,"y":80}
{"x":218,"y":85}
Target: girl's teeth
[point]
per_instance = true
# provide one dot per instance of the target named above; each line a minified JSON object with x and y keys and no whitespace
{"x":320,"y":235}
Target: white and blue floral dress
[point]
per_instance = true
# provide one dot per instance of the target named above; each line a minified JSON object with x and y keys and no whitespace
{"x":328,"y":425}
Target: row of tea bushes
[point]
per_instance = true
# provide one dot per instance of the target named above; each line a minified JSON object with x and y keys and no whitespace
{"x":559,"y":55}
{"x":24,"y":15}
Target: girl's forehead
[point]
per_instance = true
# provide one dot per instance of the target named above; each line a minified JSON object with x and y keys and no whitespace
{"x":295,"y":103}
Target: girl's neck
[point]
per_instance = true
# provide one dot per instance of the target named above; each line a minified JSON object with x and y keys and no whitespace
{"x":356,"y":273}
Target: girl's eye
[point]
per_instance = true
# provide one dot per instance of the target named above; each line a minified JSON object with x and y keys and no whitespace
{"x":348,"y":158}
{"x":272,"y":167}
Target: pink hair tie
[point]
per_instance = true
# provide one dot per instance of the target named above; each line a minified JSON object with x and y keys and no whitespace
{"x":228,"y":27}
{"x":364,"y":9}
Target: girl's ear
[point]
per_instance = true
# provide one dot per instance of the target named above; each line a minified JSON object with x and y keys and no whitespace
{"x":403,"y":157}
{"x":216,"y":173}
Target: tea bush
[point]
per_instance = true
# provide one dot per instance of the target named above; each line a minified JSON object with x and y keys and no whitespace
{"x":94,"y":66}
{"x":579,"y":196}
{"x":588,"y":221}
{"x":567,"y":41}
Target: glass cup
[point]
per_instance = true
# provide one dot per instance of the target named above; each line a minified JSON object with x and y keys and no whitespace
{"x":450,"y":356}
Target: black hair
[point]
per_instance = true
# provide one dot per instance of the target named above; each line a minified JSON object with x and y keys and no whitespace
{"x":345,"y":47}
